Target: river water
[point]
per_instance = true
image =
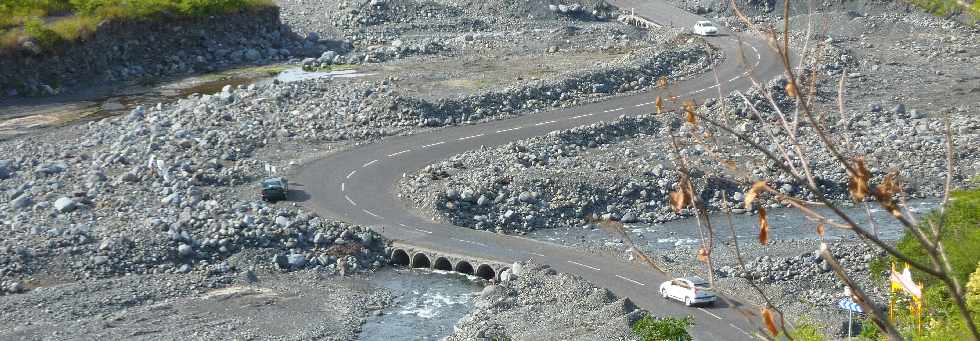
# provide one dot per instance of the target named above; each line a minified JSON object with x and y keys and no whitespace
{"x":784,"y":224}
{"x":24,"y":115}
{"x":426,"y":307}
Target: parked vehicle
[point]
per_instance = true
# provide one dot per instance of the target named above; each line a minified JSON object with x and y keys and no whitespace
{"x":705,"y":28}
{"x":690,"y":290}
{"x":274,"y":189}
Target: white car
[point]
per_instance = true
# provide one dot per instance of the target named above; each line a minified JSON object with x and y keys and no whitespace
{"x":690,"y":290}
{"x":705,"y":28}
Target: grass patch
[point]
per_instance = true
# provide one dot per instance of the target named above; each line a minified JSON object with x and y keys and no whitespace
{"x":947,"y":8}
{"x":51,"y":23}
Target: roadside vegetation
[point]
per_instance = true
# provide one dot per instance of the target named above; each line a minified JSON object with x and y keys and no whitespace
{"x":51,"y":23}
{"x":941,"y":319}
{"x":949,"y":8}
{"x":663,"y":329}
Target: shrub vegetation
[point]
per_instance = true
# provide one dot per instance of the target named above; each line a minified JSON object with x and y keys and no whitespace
{"x":961,"y":237}
{"x":53,"y":22}
{"x":663,"y":329}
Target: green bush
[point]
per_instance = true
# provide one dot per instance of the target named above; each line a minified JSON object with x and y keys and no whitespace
{"x":663,"y":329}
{"x":869,"y":331}
{"x":960,"y":236}
{"x":44,"y":36}
{"x":807,"y":330}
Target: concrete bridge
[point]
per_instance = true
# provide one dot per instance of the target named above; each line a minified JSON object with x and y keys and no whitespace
{"x":417,"y":257}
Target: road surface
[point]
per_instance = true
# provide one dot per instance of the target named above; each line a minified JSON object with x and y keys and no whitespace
{"x":358,"y":185}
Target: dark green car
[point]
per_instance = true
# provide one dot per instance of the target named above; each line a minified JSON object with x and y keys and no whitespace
{"x":274,"y":189}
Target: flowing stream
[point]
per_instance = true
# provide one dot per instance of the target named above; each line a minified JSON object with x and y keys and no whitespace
{"x":784,"y":224}
{"x":23,"y":115}
{"x":426,"y":307}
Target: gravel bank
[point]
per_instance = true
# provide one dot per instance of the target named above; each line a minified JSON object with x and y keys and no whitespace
{"x":270,"y":306}
{"x":540,"y":304}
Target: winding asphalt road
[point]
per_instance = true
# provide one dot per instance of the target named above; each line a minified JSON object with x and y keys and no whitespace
{"x":358,"y":185}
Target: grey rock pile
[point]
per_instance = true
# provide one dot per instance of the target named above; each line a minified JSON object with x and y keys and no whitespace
{"x":539,"y":301}
{"x":623,"y":171}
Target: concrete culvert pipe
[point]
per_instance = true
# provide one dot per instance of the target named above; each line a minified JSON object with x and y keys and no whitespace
{"x":464,"y":267}
{"x":420,"y":260}
{"x":486,"y":272}
{"x":443,"y":264}
{"x":399,"y":257}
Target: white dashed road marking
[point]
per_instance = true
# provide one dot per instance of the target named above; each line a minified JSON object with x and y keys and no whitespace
{"x":506,"y":130}
{"x":351,"y":173}
{"x":536,"y":254}
{"x":577,"y":117}
{"x":372,"y":214}
{"x":471,"y":242}
{"x":343,"y":186}
{"x":740,"y":329}
{"x":415,"y":228}
{"x":433,"y":145}
{"x":543,"y":123}
{"x":350,"y":201}
{"x":369,"y":163}
{"x":709,"y":313}
{"x":469,"y":137}
{"x":399,"y":153}
{"x":630,"y":280}
{"x":583,"y":265}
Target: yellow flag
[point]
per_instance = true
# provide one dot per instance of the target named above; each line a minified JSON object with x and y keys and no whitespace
{"x":895,"y":279}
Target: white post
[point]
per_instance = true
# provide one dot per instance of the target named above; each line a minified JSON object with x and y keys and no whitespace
{"x":849,"y":312}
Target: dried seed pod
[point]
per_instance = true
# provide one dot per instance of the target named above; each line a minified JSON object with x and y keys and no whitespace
{"x":689,"y":110}
{"x":791,"y":89}
{"x":769,"y":322}
{"x":753,"y":193}
{"x":763,"y":227}
{"x":858,"y":186}
{"x":702,"y":255}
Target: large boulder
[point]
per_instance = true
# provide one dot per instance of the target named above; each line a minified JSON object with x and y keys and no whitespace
{"x":64,"y":204}
{"x":21,"y":202}
{"x":6,"y":169}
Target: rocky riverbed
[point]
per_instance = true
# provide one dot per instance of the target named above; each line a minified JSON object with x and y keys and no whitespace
{"x":159,"y":204}
{"x":536,"y":302}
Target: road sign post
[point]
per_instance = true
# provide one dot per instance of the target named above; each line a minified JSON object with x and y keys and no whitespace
{"x":848,"y":304}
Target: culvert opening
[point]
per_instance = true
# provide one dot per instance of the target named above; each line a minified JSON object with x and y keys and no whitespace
{"x":399,"y":257}
{"x":486,"y":272}
{"x":464,"y":267}
{"x":420,"y":260}
{"x":443,"y":264}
